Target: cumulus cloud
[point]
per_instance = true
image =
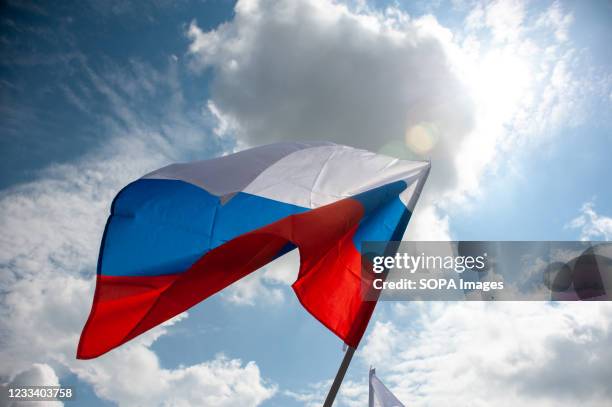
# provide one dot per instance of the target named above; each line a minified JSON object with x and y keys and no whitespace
{"x":317,"y":70}
{"x":592,"y":226}
{"x":505,"y":354}
{"x":142,"y":381}
{"x":266,"y":286}
{"x":51,"y":229}
{"x":468,"y":99}
{"x":36,"y":375}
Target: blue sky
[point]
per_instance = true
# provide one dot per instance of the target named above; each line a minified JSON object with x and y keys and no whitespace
{"x":510,"y":100}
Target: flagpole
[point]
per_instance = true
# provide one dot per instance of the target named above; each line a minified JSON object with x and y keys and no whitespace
{"x":370,"y":389}
{"x":346,"y":361}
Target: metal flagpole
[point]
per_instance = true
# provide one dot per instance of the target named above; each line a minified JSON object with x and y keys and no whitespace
{"x":331,"y":396}
{"x":370,"y":389}
{"x":392,"y":247}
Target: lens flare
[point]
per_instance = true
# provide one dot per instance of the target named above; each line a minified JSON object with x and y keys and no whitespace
{"x":421,"y":138}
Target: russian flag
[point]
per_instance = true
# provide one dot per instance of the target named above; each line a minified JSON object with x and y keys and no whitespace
{"x":184,"y":232}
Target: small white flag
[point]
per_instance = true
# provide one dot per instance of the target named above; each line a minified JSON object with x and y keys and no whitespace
{"x":380,"y":396}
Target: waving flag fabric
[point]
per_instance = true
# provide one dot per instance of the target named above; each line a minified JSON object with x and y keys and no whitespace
{"x":186,"y":231}
{"x":380,"y":395}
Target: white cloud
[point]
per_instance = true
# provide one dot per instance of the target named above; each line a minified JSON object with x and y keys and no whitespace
{"x":225,"y":123}
{"x":470,"y":99}
{"x":36,"y":375}
{"x":505,"y":354}
{"x":142,"y":381}
{"x":317,"y":70}
{"x":45,"y":316}
{"x":555,"y":17}
{"x":351,"y":394}
{"x":267,"y":286}
{"x":592,"y":225}
{"x":505,"y":19}
{"x":527,"y":81}
{"x":383,"y":337}
{"x":252,"y":290}
{"x":428,"y":224}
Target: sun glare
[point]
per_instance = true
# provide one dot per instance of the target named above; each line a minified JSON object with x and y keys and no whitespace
{"x":500,"y":82}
